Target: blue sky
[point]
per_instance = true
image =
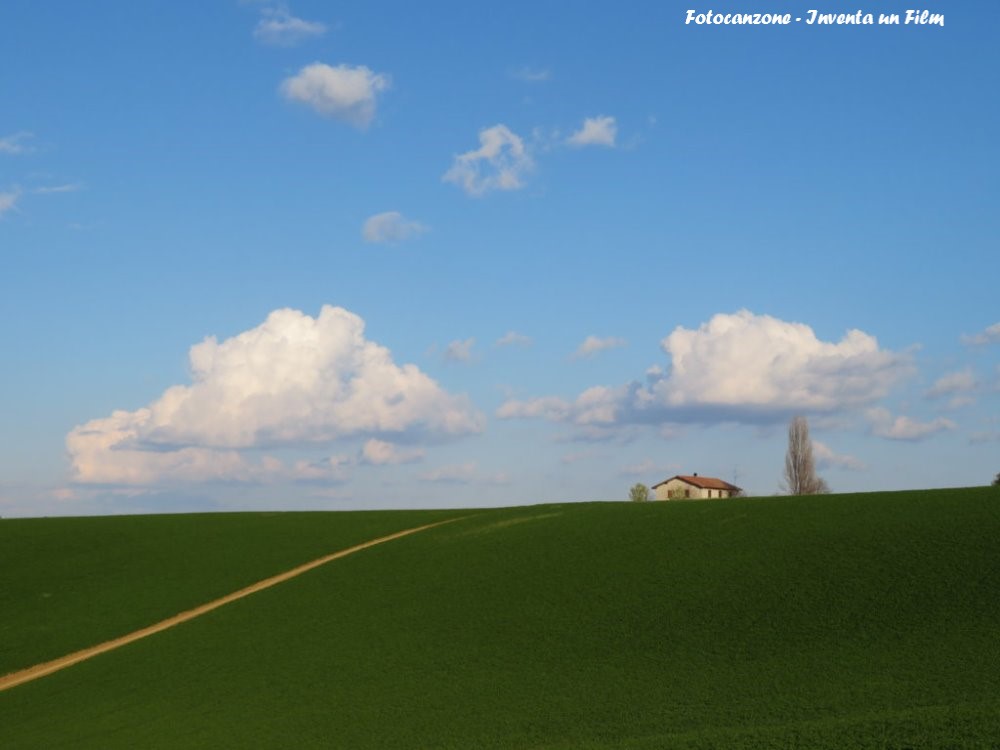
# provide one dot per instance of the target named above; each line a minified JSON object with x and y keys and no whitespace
{"x":316,"y":255}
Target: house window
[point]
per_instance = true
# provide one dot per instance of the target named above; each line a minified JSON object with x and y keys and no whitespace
{"x":687,"y":493}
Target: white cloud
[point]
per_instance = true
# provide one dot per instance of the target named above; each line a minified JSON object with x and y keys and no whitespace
{"x":330,"y":469}
{"x":466,"y":473}
{"x":390,"y":227}
{"x":8,"y":201}
{"x":593,"y":410}
{"x":292,"y":380}
{"x":341,"y":92}
{"x":459,"y":351}
{"x":759,"y":362}
{"x":962,"y":381}
{"x":532,"y":75}
{"x":280,"y":28}
{"x":736,"y":368}
{"x":991,"y":335}
{"x":959,"y":386}
{"x":380,"y":453}
{"x":16,"y":143}
{"x":512,"y":338}
{"x":500,"y":163}
{"x":70,"y":187}
{"x":459,"y":473}
{"x":552,"y":408}
{"x":594,"y":344}
{"x":904,"y":428}
{"x":109,"y":452}
{"x":827,"y":458}
{"x":595,"y":131}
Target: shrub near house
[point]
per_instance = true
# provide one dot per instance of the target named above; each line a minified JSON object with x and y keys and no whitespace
{"x":693,"y":487}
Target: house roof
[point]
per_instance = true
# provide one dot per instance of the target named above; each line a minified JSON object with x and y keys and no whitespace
{"x":706,"y":483}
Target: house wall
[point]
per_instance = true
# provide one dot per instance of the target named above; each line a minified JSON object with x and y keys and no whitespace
{"x":675,"y":489}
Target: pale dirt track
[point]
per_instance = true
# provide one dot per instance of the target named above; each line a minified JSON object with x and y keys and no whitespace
{"x":41,"y":670}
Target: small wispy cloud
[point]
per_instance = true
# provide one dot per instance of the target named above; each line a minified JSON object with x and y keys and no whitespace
{"x":643,"y":468}
{"x":986,"y":436}
{"x":991,"y":335}
{"x":459,"y":351}
{"x":595,"y":131}
{"x":512,"y":338}
{"x":904,"y":428}
{"x":500,"y":163}
{"x":577,"y":456}
{"x":278,"y":27}
{"x":380,"y":453}
{"x":17,"y":143}
{"x":594,"y":344}
{"x":342,"y":92}
{"x":456,"y":473}
{"x":390,"y":227}
{"x":826,"y":458}
{"x":467,"y":473}
{"x":553,"y":408}
{"x":70,"y":187}
{"x":952,"y":383}
{"x":960,"y":387}
{"x":8,"y":201}
{"x":529,"y":74}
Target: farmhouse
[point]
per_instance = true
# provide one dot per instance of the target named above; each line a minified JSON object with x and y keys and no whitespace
{"x":682,"y":487}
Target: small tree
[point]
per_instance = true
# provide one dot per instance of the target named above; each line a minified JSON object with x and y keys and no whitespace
{"x":639,"y":493}
{"x":996,"y":481}
{"x":800,"y":467}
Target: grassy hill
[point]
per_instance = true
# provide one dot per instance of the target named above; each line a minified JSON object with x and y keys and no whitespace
{"x":828,"y":622}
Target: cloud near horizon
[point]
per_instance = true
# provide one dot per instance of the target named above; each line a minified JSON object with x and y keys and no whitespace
{"x":343,"y":92}
{"x":827,"y":458}
{"x":737,"y":367}
{"x":382,"y":453}
{"x":291,"y":381}
{"x":884,"y":425}
{"x":466,"y":473}
{"x":648,"y":468}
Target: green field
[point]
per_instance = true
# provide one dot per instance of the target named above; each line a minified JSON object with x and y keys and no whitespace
{"x":826,"y":622}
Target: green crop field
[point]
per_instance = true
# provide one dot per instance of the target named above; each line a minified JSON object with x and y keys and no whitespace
{"x":825,"y":622}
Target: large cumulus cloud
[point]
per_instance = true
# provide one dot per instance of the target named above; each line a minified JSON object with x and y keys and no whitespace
{"x":737,"y":367}
{"x":292,"y":380}
{"x":750,"y":361}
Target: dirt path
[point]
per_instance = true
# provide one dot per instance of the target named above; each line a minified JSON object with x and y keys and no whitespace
{"x":40,"y":670}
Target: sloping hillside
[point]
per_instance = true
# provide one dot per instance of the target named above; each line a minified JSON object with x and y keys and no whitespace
{"x":68,"y":583}
{"x":839,"y":621}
